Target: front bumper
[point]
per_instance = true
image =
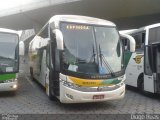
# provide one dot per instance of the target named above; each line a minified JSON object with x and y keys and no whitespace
{"x":69,"y":95}
{"x":10,"y":86}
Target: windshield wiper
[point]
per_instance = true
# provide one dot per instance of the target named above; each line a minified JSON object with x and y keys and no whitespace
{"x":93,"y":55}
{"x":103,"y":60}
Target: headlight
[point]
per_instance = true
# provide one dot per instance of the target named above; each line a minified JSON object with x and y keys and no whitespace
{"x":14,"y":86}
{"x":69,"y":84}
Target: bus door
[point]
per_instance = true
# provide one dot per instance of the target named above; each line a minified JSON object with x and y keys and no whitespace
{"x":148,"y":71}
{"x":156,"y":66}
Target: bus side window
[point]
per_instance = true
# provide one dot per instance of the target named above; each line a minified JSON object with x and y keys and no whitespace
{"x":125,"y":44}
{"x":143,"y":40}
{"x":140,"y":40}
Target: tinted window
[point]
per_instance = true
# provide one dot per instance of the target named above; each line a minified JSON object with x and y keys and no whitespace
{"x":126,"y":43}
{"x":8,"y":52}
{"x":154,"y":35}
{"x":140,"y":40}
{"x":91,"y":49}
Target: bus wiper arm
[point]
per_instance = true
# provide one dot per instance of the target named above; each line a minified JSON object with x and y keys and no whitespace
{"x":103,"y":60}
{"x":93,"y":55}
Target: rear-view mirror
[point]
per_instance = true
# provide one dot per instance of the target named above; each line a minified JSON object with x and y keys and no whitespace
{"x":59,"y":39}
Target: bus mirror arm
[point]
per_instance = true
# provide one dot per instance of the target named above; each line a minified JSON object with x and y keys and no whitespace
{"x":131,"y":40}
{"x":59,"y":39}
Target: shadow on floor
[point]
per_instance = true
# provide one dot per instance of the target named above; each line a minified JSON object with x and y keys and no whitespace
{"x":147,"y":94}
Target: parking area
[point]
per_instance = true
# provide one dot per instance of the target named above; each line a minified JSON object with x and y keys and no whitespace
{"x":31,"y":99}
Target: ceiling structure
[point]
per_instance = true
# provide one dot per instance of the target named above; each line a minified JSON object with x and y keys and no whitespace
{"x":127,"y":14}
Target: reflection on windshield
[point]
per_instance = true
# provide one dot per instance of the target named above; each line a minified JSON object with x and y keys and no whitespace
{"x":104,"y":64}
{"x":84,"y":44}
{"x":8,"y":52}
{"x":108,"y":41}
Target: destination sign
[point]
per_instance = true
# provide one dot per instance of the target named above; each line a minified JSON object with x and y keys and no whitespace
{"x":77,"y":27}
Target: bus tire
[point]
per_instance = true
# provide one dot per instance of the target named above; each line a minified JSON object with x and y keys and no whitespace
{"x":141,"y":83}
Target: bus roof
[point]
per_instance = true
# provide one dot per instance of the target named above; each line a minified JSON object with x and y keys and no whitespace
{"x":81,"y":19}
{"x":144,"y":28}
{"x":8,"y":30}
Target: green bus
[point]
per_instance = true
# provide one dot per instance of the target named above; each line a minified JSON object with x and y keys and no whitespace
{"x":9,"y":59}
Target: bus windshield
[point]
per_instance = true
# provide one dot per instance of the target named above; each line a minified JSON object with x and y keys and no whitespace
{"x":8,"y":52}
{"x":91,"y":49}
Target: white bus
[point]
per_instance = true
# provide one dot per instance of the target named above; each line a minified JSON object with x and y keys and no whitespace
{"x":9,"y":59}
{"x":143,"y":69}
{"x":78,"y":59}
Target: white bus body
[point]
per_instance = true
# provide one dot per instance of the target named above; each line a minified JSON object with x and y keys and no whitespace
{"x":78,"y":59}
{"x":142,"y":69}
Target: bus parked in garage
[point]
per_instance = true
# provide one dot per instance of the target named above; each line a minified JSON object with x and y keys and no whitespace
{"x":78,"y":59}
{"x":9,"y":59}
{"x":143,"y":69}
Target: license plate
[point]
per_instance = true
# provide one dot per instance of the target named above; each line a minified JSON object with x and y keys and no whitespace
{"x":97,"y":97}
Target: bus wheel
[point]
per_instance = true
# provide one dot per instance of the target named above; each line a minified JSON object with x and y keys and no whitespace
{"x":141,"y":84}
